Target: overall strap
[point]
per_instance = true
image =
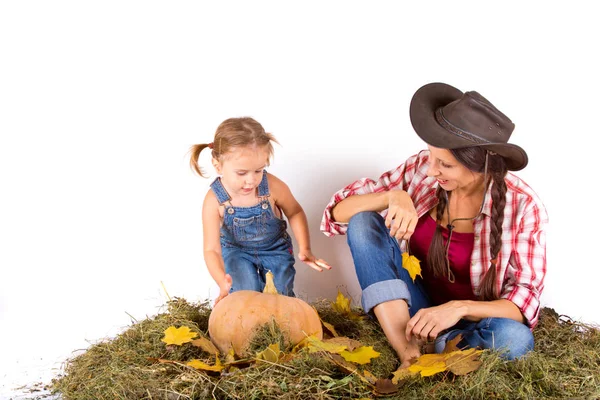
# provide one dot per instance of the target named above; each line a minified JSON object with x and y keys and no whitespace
{"x":220,"y":192}
{"x":263,"y":186}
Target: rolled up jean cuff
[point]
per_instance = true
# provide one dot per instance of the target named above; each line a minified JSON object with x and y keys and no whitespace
{"x":380,"y":292}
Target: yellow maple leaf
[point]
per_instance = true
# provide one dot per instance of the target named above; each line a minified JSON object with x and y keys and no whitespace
{"x":362,"y":355}
{"x":428,"y":370}
{"x":197,"y":364}
{"x":459,"y":362}
{"x":350,"y":344}
{"x":271,"y":353}
{"x":178,"y":336}
{"x":342,"y":304}
{"x":230,"y":356}
{"x":412,"y":265}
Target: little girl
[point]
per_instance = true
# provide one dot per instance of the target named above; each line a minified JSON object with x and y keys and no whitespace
{"x":245,"y":235}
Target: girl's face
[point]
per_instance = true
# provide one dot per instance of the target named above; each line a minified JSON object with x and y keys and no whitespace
{"x":241,"y":169}
{"x":450,"y":173}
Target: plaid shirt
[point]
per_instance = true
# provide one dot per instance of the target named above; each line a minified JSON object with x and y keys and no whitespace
{"x":521,"y":264}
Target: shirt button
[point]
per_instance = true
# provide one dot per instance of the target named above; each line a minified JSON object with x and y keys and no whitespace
{"x":230,"y":210}
{"x":265,"y":206}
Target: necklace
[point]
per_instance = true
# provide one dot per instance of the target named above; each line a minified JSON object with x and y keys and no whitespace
{"x":451,"y":221}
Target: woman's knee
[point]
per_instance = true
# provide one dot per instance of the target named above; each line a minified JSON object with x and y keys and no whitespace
{"x":513,"y":339}
{"x":363,"y":224}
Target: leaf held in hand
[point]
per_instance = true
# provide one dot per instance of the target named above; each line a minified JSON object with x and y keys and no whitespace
{"x":412,"y":265}
{"x":178,"y":336}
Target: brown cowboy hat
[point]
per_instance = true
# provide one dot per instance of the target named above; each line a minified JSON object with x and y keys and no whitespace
{"x":447,"y":118}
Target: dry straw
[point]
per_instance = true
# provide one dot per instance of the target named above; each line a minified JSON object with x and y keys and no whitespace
{"x":565,"y":364}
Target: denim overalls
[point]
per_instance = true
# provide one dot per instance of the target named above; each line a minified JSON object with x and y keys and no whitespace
{"x":254,"y":241}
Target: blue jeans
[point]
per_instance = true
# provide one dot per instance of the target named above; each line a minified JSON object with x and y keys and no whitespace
{"x":253,"y":241}
{"x":248,"y":267}
{"x":378,"y":264}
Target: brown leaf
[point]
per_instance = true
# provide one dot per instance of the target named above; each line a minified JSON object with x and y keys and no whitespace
{"x":400,"y":374}
{"x":370,"y":377}
{"x":349,"y":368}
{"x":206,"y":345}
{"x":385,"y":386}
{"x":463,"y":362}
{"x":350,"y":344}
{"x":329,"y":328}
{"x":452,"y":345}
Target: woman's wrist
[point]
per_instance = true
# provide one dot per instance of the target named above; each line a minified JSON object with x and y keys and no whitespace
{"x":463,"y":307}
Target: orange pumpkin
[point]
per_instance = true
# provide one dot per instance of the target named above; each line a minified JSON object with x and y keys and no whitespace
{"x":235,"y":318}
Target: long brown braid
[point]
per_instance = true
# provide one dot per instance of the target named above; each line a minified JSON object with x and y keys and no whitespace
{"x":488,"y":290}
{"x":474,"y":158}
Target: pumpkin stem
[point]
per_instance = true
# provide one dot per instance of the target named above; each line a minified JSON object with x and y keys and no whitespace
{"x":269,"y":285}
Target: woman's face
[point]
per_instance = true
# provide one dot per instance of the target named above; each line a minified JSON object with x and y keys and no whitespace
{"x":450,"y":174}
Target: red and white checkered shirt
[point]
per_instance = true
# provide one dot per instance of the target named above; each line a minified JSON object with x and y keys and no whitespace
{"x":521,"y":265}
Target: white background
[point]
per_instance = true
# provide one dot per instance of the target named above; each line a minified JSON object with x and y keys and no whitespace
{"x":100,"y":101}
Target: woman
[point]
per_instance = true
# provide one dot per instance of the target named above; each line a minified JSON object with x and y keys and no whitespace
{"x":477,"y":230}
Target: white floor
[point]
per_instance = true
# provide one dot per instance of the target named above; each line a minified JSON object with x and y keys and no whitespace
{"x":26,"y":378}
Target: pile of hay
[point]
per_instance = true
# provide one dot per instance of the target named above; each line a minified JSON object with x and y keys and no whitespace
{"x":565,"y":364}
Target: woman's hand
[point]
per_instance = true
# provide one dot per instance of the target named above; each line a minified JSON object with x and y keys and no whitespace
{"x":402,"y":216}
{"x":315,"y":263}
{"x":224,"y":288}
{"x":427,"y":323}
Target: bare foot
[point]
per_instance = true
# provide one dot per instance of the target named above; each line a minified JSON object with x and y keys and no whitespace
{"x":408,"y":355}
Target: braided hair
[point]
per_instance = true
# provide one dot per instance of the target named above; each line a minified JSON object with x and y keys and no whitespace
{"x":474,"y":158}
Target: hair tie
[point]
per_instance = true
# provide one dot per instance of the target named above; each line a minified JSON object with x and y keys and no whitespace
{"x":494,"y":261}
{"x":211,"y":145}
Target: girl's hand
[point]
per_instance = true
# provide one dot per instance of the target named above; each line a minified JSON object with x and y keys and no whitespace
{"x":224,"y":288}
{"x":402,"y":217}
{"x":315,"y":263}
{"x":427,"y":323}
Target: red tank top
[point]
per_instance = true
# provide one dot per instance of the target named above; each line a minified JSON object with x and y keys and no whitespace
{"x":440,"y":289}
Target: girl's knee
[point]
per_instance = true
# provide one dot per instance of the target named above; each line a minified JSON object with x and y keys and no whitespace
{"x":246,"y":284}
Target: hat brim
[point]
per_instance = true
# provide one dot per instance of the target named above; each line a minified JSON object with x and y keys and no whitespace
{"x":422,"y":116}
